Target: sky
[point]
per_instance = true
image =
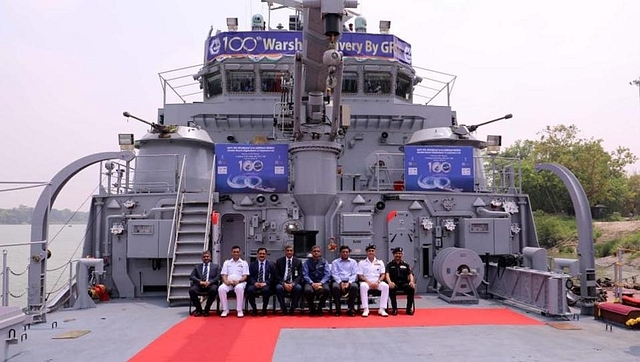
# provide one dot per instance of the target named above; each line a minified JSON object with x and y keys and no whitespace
{"x":71,"y":67}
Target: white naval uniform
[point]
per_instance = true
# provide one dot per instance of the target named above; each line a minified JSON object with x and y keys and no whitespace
{"x":234,"y":270}
{"x":371,"y":271}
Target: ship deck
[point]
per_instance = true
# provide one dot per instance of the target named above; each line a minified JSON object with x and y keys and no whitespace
{"x":138,"y":330}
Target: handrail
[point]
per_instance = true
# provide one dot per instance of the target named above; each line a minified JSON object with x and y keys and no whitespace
{"x":166,"y":82}
{"x":210,"y":202}
{"x":495,"y":172}
{"x":174,"y":222}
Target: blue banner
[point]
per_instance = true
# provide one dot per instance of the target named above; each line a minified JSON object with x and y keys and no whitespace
{"x":438,"y":168}
{"x":278,"y":43}
{"x":252,"y":168}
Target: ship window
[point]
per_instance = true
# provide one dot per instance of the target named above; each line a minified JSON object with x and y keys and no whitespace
{"x":377,"y":83}
{"x":403,"y":86}
{"x":214,"y":85}
{"x":271,"y":82}
{"x":240,"y":81}
{"x":350,"y":82}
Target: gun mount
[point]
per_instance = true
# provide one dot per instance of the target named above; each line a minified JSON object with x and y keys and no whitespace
{"x":160,"y":128}
{"x":474,"y":127}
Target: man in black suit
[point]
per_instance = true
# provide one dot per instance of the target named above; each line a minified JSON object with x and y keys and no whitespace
{"x":289,"y":279}
{"x":204,"y":281}
{"x":261,"y":275}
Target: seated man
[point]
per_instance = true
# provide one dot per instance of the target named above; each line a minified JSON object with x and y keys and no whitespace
{"x":261,"y":274}
{"x":204,"y":281}
{"x":371,"y":273}
{"x":289,"y":280}
{"x":344,"y":272}
{"x":234,"y":277}
{"x":316,"y":273}
{"x":400,"y":277}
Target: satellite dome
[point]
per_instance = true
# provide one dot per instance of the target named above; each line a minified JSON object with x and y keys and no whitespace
{"x":360,"y":24}
{"x":257,"y":22}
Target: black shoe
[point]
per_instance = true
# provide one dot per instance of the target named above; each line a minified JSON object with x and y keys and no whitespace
{"x":320,"y":313}
{"x":410,"y":312}
{"x":197,"y":313}
{"x":263,"y":313}
{"x":338,"y":313}
{"x":206,"y":313}
{"x":394,"y":311}
{"x":283,"y":312}
{"x":351,"y":313}
{"x":292,"y":312}
{"x":254,"y":313}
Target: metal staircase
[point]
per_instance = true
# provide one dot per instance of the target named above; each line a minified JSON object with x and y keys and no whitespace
{"x":192,"y":235}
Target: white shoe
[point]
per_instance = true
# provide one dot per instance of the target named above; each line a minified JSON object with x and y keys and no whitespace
{"x":365,"y":313}
{"x":224,"y":313}
{"x":240,"y":314}
{"x":382,"y":312}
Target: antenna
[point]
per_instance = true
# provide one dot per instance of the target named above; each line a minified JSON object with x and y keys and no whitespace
{"x":636,"y":82}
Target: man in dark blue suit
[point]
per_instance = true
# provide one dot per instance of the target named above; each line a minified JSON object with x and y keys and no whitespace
{"x":204,"y":281}
{"x":289,"y":279}
{"x":261,"y":275}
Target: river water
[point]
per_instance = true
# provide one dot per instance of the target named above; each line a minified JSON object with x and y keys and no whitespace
{"x":65,"y":244}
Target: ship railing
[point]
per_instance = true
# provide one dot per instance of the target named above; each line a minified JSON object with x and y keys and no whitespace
{"x":212,"y":189}
{"x":434,"y":85}
{"x":283,"y":116}
{"x":177,"y":212}
{"x":502,"y":174}
{"x":7,"y":272}
{"x":120,"y":179}
{"x":117,"y":177}
{"x":180,"y":82}
{"x":385,"y":172}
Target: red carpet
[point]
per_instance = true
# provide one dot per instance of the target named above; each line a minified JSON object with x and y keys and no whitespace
{"x":192,"y":337}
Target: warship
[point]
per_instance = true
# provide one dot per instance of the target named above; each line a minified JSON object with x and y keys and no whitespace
{"x":312,"y":134}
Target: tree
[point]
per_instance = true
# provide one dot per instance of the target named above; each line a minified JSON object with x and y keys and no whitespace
{"x":601,"y":174}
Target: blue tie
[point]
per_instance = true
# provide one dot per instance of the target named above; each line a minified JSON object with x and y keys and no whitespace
{"x":261,"y":273}
{"x":205,"y":274}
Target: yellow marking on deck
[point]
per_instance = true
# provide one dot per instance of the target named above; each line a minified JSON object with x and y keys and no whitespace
{"x":71,"y":334}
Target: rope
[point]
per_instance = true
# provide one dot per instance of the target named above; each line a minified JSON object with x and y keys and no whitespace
{"x":18,"y":296}
{"x":18,"y":274}
{"x":57,"y":290}
{"x":86,"y":232}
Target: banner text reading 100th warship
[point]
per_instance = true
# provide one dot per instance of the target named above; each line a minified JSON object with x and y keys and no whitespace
{"x":264,"y":43}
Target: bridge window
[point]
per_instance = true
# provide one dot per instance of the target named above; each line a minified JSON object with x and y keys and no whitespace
{"x":241,"y":82}
{"x":403,"y":86}
{"x":377,"y":83}
{"x":214,"y":85}
{"x":271,"y":82}
{"x":350,"y":82}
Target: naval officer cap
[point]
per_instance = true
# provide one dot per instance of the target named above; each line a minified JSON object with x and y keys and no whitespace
{"x":370,"y":247}
{"x":397,"y":250}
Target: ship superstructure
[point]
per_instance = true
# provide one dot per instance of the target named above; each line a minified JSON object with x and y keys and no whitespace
{"x":311,"y":136}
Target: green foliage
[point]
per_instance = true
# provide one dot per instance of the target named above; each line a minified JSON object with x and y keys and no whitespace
{"x":604,"y":249}
{"x":22,"y":215}
{"x":553,"y":229}
{"x":600,"y":173}
{"x":628,"y":242}
{"x":566,"y":250}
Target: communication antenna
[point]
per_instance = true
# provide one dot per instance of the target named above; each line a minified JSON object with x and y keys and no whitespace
{"x":636,"y":82}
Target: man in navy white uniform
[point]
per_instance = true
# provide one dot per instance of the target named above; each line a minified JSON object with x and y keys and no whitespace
{"x":235,"y":272}
{"x":371,"y":273}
